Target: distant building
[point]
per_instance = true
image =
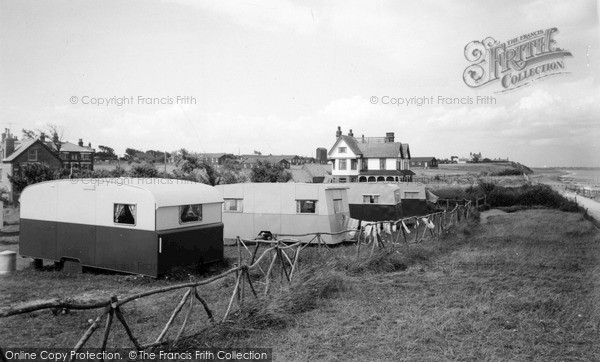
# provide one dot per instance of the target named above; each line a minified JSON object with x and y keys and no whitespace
{"x":369,"y":159}
{"x":55,"y":153}
{"x":423,"y":162}
{"x":215,"y":159}
{"x":321,"y":155}
{"x":251,"y":161}
{"x":311,"y":173}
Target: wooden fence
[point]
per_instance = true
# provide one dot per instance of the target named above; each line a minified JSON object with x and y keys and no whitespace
{"x":283,"y":253}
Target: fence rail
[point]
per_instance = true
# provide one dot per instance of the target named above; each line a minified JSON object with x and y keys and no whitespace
{"x":283,"y":253}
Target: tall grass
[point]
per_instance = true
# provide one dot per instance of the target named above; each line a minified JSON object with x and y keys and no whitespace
{"x":524,"y":196}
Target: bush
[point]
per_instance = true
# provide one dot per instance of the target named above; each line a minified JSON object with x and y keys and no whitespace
{"x":529,"y":196}
{"x":29,"y":174}
{"x":508,"y":172}
{"x":143,"y":170}
{"x":268,"y":172}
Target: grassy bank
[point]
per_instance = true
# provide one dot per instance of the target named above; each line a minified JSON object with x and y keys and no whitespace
{"x":522,"y":286}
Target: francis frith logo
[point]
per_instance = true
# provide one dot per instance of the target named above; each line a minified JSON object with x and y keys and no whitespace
{"x":516,"y":62}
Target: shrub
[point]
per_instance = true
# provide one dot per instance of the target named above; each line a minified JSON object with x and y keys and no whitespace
{"x":529,"y":196}
{"x":508,"y":172}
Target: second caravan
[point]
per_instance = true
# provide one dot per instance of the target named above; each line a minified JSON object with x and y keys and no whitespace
{"x":284,"y":209}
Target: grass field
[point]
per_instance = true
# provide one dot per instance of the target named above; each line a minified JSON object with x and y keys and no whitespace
{"x":521,"y":286}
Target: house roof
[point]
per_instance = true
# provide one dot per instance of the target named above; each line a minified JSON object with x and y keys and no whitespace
{"x":316,"y":170}
{"x":300,"y":175}
{"x":383,"y":150}
{"x":268,"y":159}
{"x":214,"y":154}
{"x":350,"y":141}
{"x":71,"y":147}
{"x":422,"y":158}
{"x":374,"y":149}
{"x":25,"y":144}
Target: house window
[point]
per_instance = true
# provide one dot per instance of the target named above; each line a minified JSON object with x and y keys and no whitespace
{"x":333,"y":164}
{"x":365,"y":165}
{"x":342,"y":180}
{"x":32,"y":155}
{"x":382,"y":163}
{"x":370,"y":199}
{"x":233,"y":205}
{"x":64,"y":156}
{"x":124,"y":214}
{"x":338,"y":206}
{"x":343,"y":165}
{"x":342,"y":149}
{"x":411,"y":194}
{"x":353,"y":164}
{"x":85,"y":156}
{"x":306,"y":206}
{"x":190,"y":213}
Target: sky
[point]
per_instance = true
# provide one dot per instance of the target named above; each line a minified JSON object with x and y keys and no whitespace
{"x":280,"y":76}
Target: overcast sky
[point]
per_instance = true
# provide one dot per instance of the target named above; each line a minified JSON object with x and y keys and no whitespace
{"x":279,"y":76}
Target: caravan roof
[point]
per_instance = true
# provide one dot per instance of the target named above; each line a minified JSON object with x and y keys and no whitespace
{"x":165,"y":192}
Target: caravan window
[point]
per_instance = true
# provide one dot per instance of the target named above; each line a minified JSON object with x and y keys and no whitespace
{"x":233,"y":205}
{"x":190,"y":213}
{"x":306,"y":206}
{"x":370,"y":199}
{"x":124,"y":214}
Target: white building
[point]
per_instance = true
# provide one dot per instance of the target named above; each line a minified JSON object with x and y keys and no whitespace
{"x":369,"y":159}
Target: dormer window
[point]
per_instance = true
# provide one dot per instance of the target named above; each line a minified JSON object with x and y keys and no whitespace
{"x":342,"y":149}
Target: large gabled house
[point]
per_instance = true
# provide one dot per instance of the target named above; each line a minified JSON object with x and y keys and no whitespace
{"x":56,"y":154}
{"x":369,"y":159}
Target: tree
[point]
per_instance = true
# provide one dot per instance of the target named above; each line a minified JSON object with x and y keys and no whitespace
{"x":187,"y":165}
{"x":486,"y":186}
{"x":268,"y":172}
{"x":210,"y":176}
{"x":143,"y":169}
{"x":232,"y":164}
{"x":233,"y":177}
{"x":29,"y":174}
{"x":55,"y":133}
{"x":27,"y":133}
{"x":106,"y":152}
{"x":130,"y":153}
{"x":158,"y":156}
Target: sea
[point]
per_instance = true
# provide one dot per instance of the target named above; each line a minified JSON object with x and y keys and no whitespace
{"x":583,"y":177}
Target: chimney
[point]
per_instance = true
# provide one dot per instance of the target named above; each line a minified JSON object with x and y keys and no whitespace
{"x":338,"y":133}
{"x":55,"y":138}
{"x":3,"y":136}
{"x":42,"y":137}
{"x":9,"y":146}
{"x":80,"y":143}
{"x":350,"y":133}
{"x":389,"y":137}
{"x":90,"y":144}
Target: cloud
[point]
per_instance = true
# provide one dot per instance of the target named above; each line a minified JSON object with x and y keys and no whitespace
{"x":269,"y":15}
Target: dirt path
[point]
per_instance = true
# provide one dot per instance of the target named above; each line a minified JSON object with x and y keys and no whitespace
{"x":593,"y":207}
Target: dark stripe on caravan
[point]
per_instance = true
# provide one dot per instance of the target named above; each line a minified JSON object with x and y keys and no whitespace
{"x":121,"y":248}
